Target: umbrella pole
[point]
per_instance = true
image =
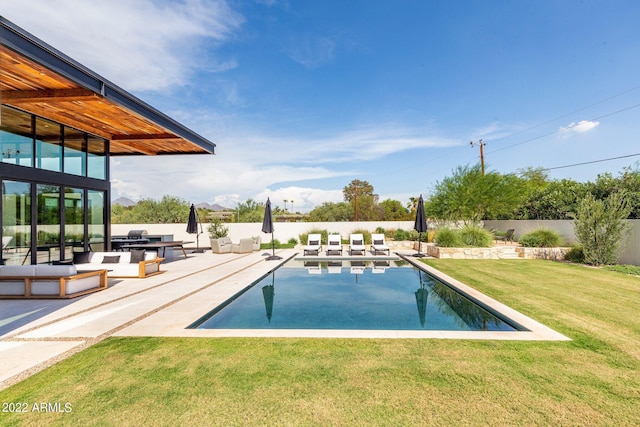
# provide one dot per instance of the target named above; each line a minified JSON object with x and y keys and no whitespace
{"x":419,"y":254}
{"x":273,"y":249}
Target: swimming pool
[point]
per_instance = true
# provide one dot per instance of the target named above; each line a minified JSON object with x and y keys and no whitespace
{"x":352,"y":294}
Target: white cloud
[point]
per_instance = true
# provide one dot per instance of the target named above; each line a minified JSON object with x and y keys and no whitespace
{"x":310,"y":50}
{"x":580,"y":127}
{"x":300,"y":199}
{"x":139,"y":45}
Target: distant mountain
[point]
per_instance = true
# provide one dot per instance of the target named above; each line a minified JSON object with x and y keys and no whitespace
{"x":215,"y":207}
{"x":123,"y":201}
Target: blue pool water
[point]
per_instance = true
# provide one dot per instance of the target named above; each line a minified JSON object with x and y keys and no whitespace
{"x":367,"y":295}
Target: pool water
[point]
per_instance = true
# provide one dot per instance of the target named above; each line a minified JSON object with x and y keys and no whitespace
{"x":367,"y":295}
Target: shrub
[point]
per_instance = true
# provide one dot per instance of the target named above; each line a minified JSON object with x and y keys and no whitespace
{"x":474,"y":235}
{"x":380,"y":230}
{"x":448,"y":238}
{"x":600,"y":227}
{"x":292,"y":241}
{"x":400,"y":235}
{"x":575,"y":254}
{"x":541,"y":238}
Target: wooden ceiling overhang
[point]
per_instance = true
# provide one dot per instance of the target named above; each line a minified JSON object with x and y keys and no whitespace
{"x":36,"y":78}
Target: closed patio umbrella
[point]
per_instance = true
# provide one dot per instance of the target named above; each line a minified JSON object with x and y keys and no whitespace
{"x":420,"y":225}
{"x":267,"y":227}
{"x":422,"y":295}
{"x":268,"y":292}
{"x":192,"y":226}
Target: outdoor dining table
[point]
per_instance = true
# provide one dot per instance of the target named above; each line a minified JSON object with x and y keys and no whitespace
{"x":158,"y":245}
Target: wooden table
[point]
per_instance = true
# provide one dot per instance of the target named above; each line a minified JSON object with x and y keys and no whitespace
{"x":158,"y":245}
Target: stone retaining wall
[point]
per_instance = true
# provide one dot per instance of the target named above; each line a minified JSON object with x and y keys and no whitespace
{"x":496,"y":252}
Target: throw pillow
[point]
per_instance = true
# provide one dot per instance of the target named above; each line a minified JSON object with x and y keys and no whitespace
{"x":81,"y":257}
{"x":357,"y":242}
{"x":313,"y":242}
{"x":137,"y":255}
{"x":111,"y":259}
{"x":334,"y":243}
{"x":377,"y":242}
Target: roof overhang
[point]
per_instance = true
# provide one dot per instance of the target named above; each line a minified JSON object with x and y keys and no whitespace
{"x":36,"y":78}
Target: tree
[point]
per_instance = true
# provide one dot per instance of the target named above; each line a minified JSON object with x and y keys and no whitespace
{"x":362,"y":198}
{"x":469,"y":195}
{"x":168,"y":210}
{"x":600,"y":227}
{"x":556,"y":200}
{"x":250,"y":211}
{"x":393,"y":210}
{"x":332,"y":212}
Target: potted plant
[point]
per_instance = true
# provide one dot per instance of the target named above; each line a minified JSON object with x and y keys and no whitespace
{"x":217,"y":229}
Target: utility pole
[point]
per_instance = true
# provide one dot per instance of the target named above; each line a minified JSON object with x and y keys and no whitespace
{"x":481,"y":144}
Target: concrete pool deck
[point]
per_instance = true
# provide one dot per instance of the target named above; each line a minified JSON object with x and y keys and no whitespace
{"x":35,"y":334}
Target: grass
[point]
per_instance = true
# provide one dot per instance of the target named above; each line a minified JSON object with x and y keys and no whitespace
{"x":592,"y":380}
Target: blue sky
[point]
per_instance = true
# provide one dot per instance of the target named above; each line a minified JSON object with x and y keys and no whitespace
{"x":301,"y":97}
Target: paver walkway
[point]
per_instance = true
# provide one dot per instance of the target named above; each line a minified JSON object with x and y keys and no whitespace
{"x":35,"y":334}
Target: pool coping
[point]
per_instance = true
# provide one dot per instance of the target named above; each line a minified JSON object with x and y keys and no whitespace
{"x":173,"y":321}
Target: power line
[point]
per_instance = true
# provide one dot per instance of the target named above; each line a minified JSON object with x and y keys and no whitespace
{"x":563,"y":129}
{"x":593,"y":161}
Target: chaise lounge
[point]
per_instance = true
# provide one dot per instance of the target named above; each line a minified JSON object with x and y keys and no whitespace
{"x":334,"y":244}
{"x":356,"y":244}
{"x":379,"y":245}
{"x":313,"y":244}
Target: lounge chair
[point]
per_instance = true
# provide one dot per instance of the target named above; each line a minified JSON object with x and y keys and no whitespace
{"x":313,"y":244}
{"x":508,"y":237}
{"x":379,"y":244}
{"x":335,"y":244}
{"x":356,"y":244}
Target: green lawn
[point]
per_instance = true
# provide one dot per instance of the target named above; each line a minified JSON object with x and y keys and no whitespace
{"x":592,"y":380}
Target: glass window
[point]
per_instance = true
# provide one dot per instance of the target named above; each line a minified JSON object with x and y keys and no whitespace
{"x":74,"y":152}
{"x":74,"y":220}
{"x":96,"y":210}
{"x":16,"y":137}
{"x":16,"y":221}
{"x":48,"y":225}
{"x":97,"y":158}
{"x":48,"y":145}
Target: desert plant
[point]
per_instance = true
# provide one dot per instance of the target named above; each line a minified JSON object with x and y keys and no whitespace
{"x":474,"y":235}
{"x":600,"y":227}
{"x":217,"y":229}
{"x":575,"y":254}
{"x":447,"y":238}
{"x":541,"y":238}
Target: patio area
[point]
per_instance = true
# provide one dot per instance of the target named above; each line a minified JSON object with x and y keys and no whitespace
{"x":35,"y":334}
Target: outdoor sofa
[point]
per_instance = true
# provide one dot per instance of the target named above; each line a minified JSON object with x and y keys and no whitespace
{"x":136,"y":263}
{"x":49,"y":281}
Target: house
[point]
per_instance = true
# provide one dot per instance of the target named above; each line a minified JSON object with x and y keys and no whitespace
{"x":60,"y":125}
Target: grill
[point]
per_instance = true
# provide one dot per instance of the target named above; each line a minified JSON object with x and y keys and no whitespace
{"x":137,"y":234}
